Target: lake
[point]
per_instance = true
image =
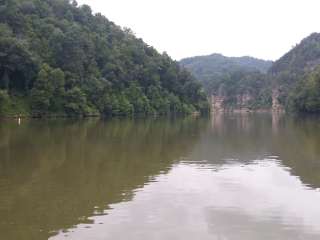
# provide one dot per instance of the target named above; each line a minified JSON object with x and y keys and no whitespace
{"x":232,"y":176}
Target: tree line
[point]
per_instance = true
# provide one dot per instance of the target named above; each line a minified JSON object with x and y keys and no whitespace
{"x":59,"y":58}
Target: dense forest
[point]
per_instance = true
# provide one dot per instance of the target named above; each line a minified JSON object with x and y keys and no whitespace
{"x":296,"y":76}
{"x":233,"y":77}
{"x":58,"y":58}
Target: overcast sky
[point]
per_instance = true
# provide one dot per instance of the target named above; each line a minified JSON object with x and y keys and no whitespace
{"x":260,"y":28}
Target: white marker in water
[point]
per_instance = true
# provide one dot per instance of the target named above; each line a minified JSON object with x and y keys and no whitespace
{"x":19,"y":121}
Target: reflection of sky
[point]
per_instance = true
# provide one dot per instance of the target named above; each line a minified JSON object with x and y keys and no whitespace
{"x":260,"y":200}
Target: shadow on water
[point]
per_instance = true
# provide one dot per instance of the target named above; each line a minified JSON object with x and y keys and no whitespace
{"x":56,"y":174}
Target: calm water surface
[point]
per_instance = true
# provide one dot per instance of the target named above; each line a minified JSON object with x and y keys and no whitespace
{"x":237,"y":177}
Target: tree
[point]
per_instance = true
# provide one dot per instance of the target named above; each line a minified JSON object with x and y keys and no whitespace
{"x":76,"y":102}
{"x":137,"y":98}
{"x":48,"y":90}
{"x":4,"y":101}
{"x":306,"y":96}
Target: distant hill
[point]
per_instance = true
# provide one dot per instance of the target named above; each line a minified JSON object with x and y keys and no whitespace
{"x":206,"y":67}
{"x":291,"y":83}
{"x":238,"y":82}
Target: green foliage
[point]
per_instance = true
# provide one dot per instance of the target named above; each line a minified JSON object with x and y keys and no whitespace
{"x":305,"y":98}
{"x":48,"y":90}
{"x":13,"y":105}
{"x":233,"y":77}
{"x":4,"y":101}
{"x":76,"y":103}
{"x":303,"y":57}
{"x":295,"y":74}
{"x":65,"y":60}
{"x":140,"y":102}
{"x":212,"y":69}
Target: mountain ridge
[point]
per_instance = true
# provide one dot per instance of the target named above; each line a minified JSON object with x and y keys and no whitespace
{"x":248,"y":62}
{"x":292,"y":82}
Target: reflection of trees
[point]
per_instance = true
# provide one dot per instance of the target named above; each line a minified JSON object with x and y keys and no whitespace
{"x":235,"y":136}
{"x":54,"y":174}
{"x":297,"y":144}
{"x":249,"y":137}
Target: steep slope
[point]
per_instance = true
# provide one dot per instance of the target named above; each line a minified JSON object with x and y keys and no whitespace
{"x":233,"y":83}
{"x":304,"y":57}
{"x":59,"y":58}
{"x":290,"y":73}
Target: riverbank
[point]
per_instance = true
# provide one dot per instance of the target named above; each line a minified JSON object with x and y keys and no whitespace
{"x":246,"y":110}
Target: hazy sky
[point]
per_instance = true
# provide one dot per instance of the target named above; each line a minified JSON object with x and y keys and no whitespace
{"x":260,"y":28}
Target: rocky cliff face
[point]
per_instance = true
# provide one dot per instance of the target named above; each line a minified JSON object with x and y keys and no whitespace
{"x":219,"y":103}
{"x":276,"y":105}
{"x":243,"y":100}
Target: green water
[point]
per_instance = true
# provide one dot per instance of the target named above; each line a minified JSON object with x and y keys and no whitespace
{"x":237,"y":177}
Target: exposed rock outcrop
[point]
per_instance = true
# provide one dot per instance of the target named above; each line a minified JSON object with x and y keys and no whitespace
{"x":276,"y":105}
{"x":243,"y":101}
{"x":219,"y":103}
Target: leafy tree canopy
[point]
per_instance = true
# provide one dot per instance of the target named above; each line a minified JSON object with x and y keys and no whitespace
{"x":60,"y":58}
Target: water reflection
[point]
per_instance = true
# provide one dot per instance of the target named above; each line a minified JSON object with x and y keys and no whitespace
{"x":56,"y":174}
{"x":237,"y":176}
{"x":245,"y":137}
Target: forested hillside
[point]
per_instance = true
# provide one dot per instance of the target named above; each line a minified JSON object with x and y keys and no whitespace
{"x":213,"y":64}
{"x":238,"y":82}
{"x":291,"y":83}
{"x":59,"y":58}
{"x":296,"y":76}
